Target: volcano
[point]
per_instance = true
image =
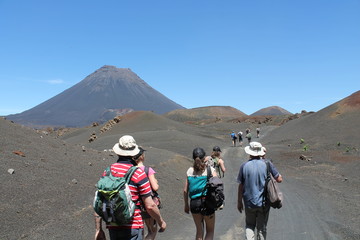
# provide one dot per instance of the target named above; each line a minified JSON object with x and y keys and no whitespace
{"x":104,"y":94}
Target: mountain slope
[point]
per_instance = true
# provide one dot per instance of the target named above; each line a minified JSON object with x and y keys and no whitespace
{"x":272,"y":111}
{"x":51,"y":187}
{"x":146,"y":126}
{"x":205,"y":113}
{"x":337,"y":123}
{"x":107,"y":92}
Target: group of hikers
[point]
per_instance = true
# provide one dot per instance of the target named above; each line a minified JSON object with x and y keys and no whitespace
{"x":143,"y":188}
{"x":239,"y":136}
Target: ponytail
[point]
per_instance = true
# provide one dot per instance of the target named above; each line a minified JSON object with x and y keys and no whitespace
{"x":199,"y":165}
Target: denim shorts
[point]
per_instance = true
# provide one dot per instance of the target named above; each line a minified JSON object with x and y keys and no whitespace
{"x":126,"y":234}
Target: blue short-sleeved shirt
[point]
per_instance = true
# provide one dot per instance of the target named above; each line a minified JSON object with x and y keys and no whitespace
{"x":252,"y":175}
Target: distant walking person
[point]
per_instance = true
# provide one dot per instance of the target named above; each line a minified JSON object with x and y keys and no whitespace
{"x":251,"y":178}
{"x":240,"y":136}
{"x":140,"y":189}
{"x":233,"y":138}
{"x":194,"y":189}
{"x":248,"y":136}
{"x":257,"y":132}
{"x":216,"y":162}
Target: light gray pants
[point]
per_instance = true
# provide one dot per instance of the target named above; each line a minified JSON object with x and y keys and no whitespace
{"x":256,"y":218}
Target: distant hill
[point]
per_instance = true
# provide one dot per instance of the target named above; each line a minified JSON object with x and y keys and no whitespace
{"x":212,"y":113}
{"x":337,"y":124}
{"x":271,"y":111}
{"x":102,"y":95}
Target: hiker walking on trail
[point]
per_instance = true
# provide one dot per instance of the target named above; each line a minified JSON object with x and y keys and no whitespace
{"x":251,"y":178}
{"x":140,"y":189}
{"x":216,"y":162}
{"x":257,"y":132}
{"x":240,"y":136}
{"x":150,"y":173}
{"x":197,"y":177}
{"x":233,"y":138}
{"x":248,"y":136}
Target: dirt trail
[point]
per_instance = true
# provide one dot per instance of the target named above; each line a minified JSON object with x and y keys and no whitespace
{"x":304,"y":215}
{"x":229,"y":223}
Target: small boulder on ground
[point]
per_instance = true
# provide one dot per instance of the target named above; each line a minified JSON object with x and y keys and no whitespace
{"x":20,"y":153}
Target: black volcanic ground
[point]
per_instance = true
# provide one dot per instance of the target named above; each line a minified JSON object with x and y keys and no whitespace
{"x":50,"y":193}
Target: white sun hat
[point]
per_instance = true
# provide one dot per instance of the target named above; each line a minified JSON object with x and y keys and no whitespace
{"x":255,"y":149}
{"x":126,"y":146}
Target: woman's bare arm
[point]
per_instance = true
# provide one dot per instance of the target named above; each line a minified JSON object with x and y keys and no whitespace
{"x":153,"y":182}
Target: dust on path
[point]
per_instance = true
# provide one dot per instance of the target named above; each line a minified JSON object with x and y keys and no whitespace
{"x":304,"y":215}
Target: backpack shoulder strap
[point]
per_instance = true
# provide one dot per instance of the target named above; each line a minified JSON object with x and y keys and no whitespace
{"x":267,"y":168}
{"x":108,"y":171}
{"x":129,"y":173}
{"x":209,"y":173}
{"x":266,"y":182}
{"x":146,"y":170}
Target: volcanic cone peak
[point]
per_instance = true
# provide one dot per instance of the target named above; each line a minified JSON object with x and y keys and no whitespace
{"x":110,"y":76}
{"x":273,"y":110}
{"x":97,"y":98}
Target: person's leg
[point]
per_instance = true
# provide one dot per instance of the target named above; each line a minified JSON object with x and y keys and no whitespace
{"x":137,"y":234}
{"x":152,"y":228}
{"x":199,"y":224}
{"x":262,"y":219}
{"x":250,"y":223}
{"x":210,"y":226}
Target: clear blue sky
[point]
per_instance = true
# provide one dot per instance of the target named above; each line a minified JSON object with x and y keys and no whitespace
{"x":299,"y":55}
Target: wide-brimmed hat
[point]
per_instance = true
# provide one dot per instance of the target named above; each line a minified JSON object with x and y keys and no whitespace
{"x":264,"y":149}
{"x":126,"y":146}
{"x":255,"y":149}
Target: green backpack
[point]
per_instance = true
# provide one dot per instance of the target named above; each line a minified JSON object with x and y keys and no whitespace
{"x":214,"y":162}
{"x":113,"y":200}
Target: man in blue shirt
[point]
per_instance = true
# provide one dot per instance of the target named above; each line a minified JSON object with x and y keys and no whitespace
{"x":233,"y":138}
{"x":251,"y":178}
